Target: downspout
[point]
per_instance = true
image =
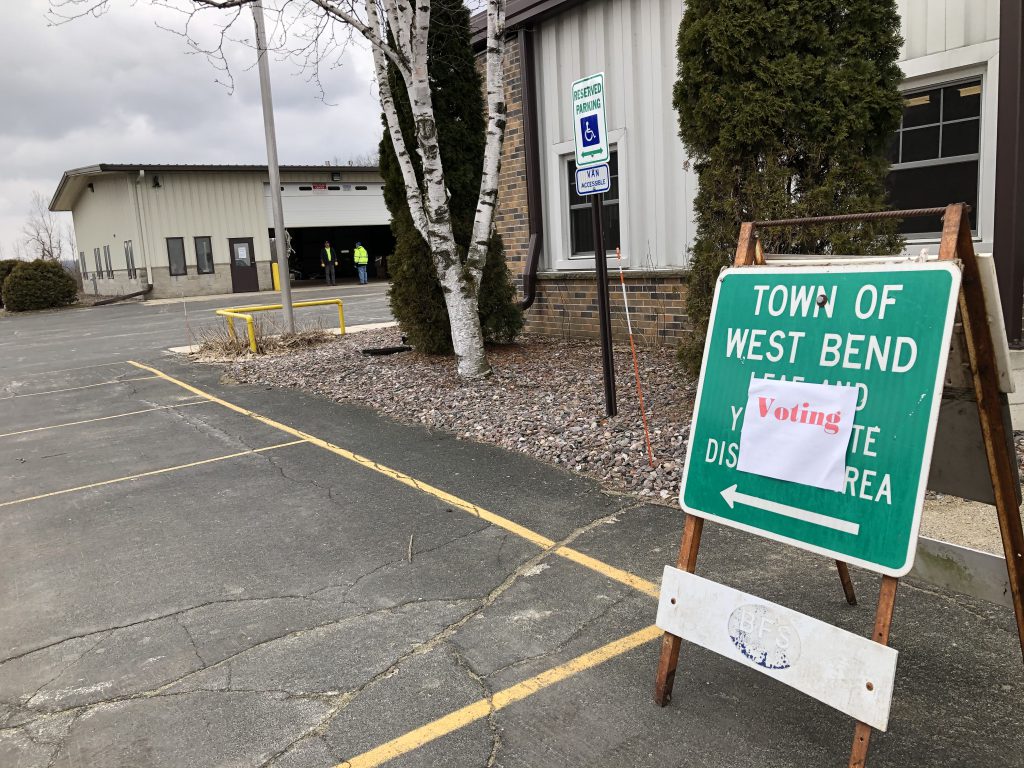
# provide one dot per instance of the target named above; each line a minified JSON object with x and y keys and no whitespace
{"x":534,"y":203}
{"x":142,"y":235}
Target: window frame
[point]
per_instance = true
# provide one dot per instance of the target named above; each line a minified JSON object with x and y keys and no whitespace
{"x":940,"y":81}
{"x":944,"y":67}
{"x":184,"y":257}
{"x":195,"y":245}
{"x":129,"y":260}
{"x":568,"y":180}
{"x":560,"y":155}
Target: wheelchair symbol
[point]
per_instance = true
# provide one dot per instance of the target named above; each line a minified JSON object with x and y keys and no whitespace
{"x":589,"y":131}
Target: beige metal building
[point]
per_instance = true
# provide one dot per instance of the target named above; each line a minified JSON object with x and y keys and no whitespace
{"x":206,"y":229}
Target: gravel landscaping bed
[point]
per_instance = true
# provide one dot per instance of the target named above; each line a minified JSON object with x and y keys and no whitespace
{"x":545,"y":399}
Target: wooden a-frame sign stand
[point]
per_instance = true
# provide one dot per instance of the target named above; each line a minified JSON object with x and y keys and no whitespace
{"x":956,"y":244}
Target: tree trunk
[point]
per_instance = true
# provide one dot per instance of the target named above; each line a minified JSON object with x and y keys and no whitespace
{"x":428,"y":202}
{"x":464,"y":319}
{"x":483,"y":222}
{"x":458,"y":284}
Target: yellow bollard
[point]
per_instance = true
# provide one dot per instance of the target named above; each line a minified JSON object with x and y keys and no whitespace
{"x":252,"y":333}
{"x":275,"y":276}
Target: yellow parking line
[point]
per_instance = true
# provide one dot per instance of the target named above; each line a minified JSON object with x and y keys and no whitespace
{"x":609,"y":571}
{"x":148,"y":474}
{"x":502,"y":699}
{"x":72,"y":389}
{"x":104,"y":418}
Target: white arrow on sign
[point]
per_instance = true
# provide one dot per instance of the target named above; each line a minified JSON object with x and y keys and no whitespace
{"x":731,"y":496}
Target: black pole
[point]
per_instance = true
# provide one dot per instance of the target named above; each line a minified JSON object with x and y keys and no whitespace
{"x":601,"y":268}
{"x":1008,"y":238}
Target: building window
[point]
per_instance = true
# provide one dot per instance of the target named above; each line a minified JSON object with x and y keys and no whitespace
{"x":106,"y":260}
{"x":81,"y":264}
{"x":99,"y":262}
{"x":129,"y":260}
{"x":935,"y":152}
{"x":581,"y":218}
{"x":204,"y":255}
{"x":176,"y":255}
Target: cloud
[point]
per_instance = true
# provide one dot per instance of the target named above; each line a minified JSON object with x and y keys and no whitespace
{"x":119,"y":89}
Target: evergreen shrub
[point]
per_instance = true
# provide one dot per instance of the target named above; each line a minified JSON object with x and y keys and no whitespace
{"x":39,"y":284}
{"x":785,"y":109}
{"x":6,"y":265}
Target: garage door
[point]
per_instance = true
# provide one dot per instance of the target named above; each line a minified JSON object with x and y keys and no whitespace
{"x":347,"y":204}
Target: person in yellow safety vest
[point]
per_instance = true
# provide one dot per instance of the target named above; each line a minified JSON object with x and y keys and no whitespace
{"x":328,"y":260}
{"x":361,"y":258}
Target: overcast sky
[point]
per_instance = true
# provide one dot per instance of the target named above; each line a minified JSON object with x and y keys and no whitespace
{"x":118,"y":89}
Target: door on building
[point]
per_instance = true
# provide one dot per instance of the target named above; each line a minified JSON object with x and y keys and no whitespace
{"x":244,"y":278}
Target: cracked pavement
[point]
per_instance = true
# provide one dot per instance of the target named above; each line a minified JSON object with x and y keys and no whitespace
{"x":265,"y":611}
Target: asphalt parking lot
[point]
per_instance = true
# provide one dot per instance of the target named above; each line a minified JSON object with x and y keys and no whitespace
{"x":199,"y":573}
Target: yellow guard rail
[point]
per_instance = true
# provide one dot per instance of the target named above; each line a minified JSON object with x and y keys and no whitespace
{"x":230,"y":314}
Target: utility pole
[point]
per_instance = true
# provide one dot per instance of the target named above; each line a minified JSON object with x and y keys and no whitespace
{"x":275,"y":172}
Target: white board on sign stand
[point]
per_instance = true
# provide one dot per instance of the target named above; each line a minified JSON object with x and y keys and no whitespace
{"x":994,"y":316}
{"x":846,"y":671}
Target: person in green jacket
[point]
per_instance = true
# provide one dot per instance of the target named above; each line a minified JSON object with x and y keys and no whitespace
{"x":361,"y":258}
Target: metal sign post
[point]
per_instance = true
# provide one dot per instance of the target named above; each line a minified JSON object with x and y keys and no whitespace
{"x":601,"y":268}
{"x":772,"y":321}
{"x":590,"y":131}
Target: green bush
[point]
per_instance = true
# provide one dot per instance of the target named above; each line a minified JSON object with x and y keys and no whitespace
{"x":38,"y":284}
{"x":6,"y":266}
{"x":785,"y":110}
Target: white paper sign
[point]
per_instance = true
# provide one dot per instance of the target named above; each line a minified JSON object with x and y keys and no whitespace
{"x":797,"y":431}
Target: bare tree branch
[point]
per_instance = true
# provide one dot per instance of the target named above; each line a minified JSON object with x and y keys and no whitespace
{"x":43,"y":232}
{"x":413,"y":193}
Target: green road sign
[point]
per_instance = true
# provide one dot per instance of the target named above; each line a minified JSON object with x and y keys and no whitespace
{"x":885,"y":329}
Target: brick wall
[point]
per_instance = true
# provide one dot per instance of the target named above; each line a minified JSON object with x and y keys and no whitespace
{"x":566,"y":303}
{"x":566,"y":306}
{"x":512,"y":212}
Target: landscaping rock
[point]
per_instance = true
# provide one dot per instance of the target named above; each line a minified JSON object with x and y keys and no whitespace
{"x":545,"y":398}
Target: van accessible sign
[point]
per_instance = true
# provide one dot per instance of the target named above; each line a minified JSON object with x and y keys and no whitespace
{"x":884,"y":330}
{"x":593,"y":180}
{"x":589,"y":125}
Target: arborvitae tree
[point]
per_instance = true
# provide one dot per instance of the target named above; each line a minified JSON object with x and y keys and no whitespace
{"x":785,"y":108}
{"x":415,"y":295}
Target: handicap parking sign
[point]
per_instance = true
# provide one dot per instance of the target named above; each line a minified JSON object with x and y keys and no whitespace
{"x":590,"y":131}
{"x":589,"y":126}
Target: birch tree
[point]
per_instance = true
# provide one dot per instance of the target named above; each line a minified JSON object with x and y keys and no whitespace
{"x":397,"y":33}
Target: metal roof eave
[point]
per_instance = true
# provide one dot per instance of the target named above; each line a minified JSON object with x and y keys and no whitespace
{"x":73,"y":181}
{"x":517,"y":14}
